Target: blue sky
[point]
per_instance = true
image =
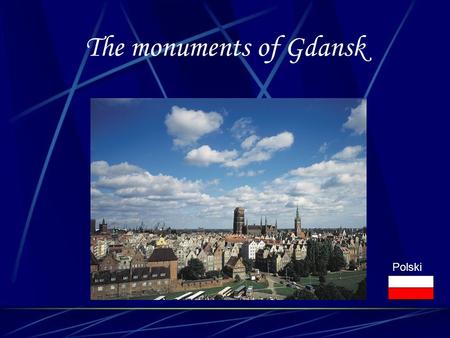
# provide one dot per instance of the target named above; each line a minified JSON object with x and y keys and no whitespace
{"x":189,"y":162}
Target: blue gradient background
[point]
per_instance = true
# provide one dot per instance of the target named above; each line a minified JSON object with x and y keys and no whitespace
{"x":42,"y":45}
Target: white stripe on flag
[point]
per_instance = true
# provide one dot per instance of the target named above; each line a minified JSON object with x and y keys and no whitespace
{"x":411,"y":281}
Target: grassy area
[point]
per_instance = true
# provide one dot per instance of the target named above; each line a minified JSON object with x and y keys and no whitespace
{"x":278,"y":285}
{"x":347,"y":279}
{"x":256,"y":285}
{"x":284,"y":291}
{"x":268,"y":291}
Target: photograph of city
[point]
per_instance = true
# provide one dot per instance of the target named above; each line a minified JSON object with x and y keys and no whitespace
{"x":228,"y":199}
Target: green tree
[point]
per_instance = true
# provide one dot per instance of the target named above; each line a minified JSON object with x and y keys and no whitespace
{"x":311,"y":256}
{"x":318,"y":254}
{"x":289,"y":271}
{"x":194,"y":270}
{"x":337,"y":261}
{"x":213,"y":274}
{"x":301,"y":267}
{"x":328,"y":292}
{"x":346,"y":293}
{"x":360,"y":293}
{"x":325,"y":253}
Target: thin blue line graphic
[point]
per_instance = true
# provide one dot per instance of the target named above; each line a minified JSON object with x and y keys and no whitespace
{"x":52,"y":146}
{"x":36,"y":322}
{"x":135,"y":61}
{"x":66,"y":328}
{"x":102,"y":320}
{"x":284,"y":313}
{"x":284,"y":51}
{"x":153,"y":323}
{"x":240,"y":323}
{"x":243,"y":60}
{"x":291,"y":326}
{"x":374,"y":77}
{"x":414,"y":314}
{"x":136,"y":36}
{"x":380,"y":322}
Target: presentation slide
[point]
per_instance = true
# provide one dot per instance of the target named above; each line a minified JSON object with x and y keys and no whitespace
{"x":213,"y":168}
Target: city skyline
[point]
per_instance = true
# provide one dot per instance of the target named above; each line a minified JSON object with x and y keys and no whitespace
{"x":189,"y":162}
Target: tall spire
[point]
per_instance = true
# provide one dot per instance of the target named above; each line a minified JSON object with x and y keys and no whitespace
{"x":297,"y":215}
{"x":260,"y":222}
{"x":265,"y":221}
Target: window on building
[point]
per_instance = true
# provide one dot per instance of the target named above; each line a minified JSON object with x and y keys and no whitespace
{"x":133,"y":285}
{"x":113,"y":287}
{"x":100,"y":288}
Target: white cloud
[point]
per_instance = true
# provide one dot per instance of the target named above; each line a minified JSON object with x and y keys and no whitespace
{"x":330,"y":193}
{"x":357,"y":119}
{"x":263,"y":150}
{"x":250,"y":173}
{"x":102,"y":168}
{"x":187,"y":126}
{"x":136,"y":182}
{"x":329,"y":168}
{"x":204,"y":156}
{"x":242,"y":128}
{"x":348,"y":153}
{"x":323,"y":148}
{"x":249,"y":142}
{"x":278,"y":142}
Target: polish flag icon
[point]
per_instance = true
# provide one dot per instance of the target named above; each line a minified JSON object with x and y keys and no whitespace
{"x":411,"y":287}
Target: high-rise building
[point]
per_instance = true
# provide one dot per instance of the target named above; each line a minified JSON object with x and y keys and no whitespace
{"x":92,"y":226}
{"x":297,"y":224}
{"x":238,"y":221}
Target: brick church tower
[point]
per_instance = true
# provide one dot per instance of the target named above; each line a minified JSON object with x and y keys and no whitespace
{"x":297,"y":224}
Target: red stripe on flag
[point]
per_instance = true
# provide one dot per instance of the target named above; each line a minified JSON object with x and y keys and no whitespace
{"x":411,"y":293}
